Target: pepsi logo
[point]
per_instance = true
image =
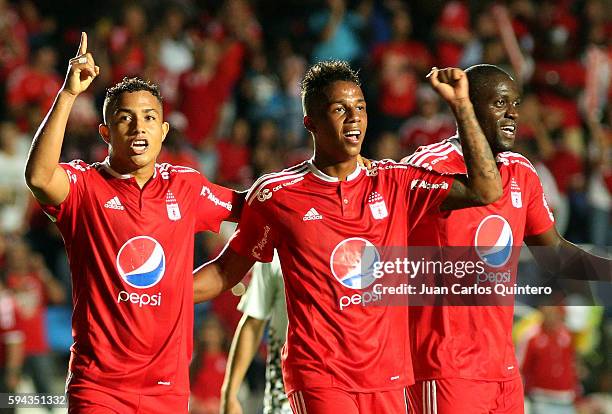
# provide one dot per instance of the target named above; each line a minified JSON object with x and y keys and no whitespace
{"x":352,"y":262}
{"x":493,"y":241}
{"x":141,"y":262}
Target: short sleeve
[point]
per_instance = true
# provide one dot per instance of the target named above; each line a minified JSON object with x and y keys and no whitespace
{"x":258,"y":301}
{"x":214,"y":205}
{"x":77,"y":173}
{"x":256,"y":236}
{"x":425,"y":192}
{"x":539,"y":215}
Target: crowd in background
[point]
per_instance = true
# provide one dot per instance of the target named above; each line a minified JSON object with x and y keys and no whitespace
{"x":229,"y":72}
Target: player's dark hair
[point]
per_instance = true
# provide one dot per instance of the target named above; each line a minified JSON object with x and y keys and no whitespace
{"x":322,"y":74}
{"x":129,"y":85}
{"x":482,"y":77}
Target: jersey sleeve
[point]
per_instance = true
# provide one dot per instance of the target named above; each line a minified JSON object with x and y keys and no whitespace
{"x":258,"y":301}
{"x":214,"y":205}
{"x":256,"y":236}
{"x":539,"y":216}
{"x":77,"y":178}
{"x":425,"y":191}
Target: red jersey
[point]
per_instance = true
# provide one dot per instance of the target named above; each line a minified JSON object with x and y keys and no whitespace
{"x":31,"y":304}
{"x":549,"y":366}
{"x":9,"y":331}
{"x":131,"y":259}
{"x":328,"y":234}
{"x":464,"y":341}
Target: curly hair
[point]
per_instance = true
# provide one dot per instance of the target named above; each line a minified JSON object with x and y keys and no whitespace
{"x":321,"y":75}
{"x":134,"y":84}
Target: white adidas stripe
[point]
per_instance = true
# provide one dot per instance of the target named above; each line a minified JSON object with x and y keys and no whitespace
{"x":273,"y":178}
{"x":430,"y":154}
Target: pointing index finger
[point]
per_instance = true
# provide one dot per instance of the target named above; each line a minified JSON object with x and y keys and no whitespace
{"x":83,"y":44}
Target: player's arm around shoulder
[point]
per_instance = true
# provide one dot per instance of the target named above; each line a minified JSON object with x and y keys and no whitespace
{"x":46,"y":179}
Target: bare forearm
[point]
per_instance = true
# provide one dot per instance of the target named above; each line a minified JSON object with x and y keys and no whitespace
{"x":219,"y":275}
{"x":47,"y":144}
{"x":483,"y":176}
{"x":244,"y":346}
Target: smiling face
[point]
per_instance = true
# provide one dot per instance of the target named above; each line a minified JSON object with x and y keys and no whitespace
{"x":134,"y":131}
{"x":496,"y":107}
{"x":338,"y":122}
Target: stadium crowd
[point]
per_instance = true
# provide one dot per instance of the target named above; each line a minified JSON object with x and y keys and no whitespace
{"x":229,"y":72}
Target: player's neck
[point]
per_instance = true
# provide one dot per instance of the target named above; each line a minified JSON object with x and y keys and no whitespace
{"x":341,"y":169}
{"x":142,"y":175}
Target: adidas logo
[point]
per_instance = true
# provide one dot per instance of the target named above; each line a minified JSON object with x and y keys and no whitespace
{"x":312,"y":214}
{"x":114,"y":204}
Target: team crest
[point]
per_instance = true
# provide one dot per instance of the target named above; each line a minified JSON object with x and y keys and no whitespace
{"x":172,"y":207}
{"x":517,"y":201}
{"x":515,"y":194}
{"x":377,"y":206}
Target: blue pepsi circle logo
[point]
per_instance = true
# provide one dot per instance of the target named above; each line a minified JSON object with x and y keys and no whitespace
{"x":352,"y":262}
{"x":493,"y":241}
{"x":141,"y":262}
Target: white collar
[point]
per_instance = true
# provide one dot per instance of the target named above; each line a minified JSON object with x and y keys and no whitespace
{"x":313,"y":169}
{"x":107,"y":167}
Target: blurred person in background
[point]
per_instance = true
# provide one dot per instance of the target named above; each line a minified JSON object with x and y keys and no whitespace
{"x":33,"y":85}
{"x":235,"y":156}
{"x":127,"y":41}
{"x":549,"y":366}
{"x":34,"y":287}
{"x":453,"y":31}
{"x":398,"y":65}
{"x":263,"y":305}
{"x":430,"y":124}
{"x":337,"y":31}
{"x":175,"y":48}
{"x":387,"y":147}
{"x":208,"y":85}
{"x":209,"y":365}
{"x":13,"y":194}
{"x":14,"y":47}
{"x":11,"y":344}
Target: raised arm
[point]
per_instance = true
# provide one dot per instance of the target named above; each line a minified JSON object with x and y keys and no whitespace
{"x":483,"y":183}
{"x":244,"y":346}
{"x":47,"y":180}
{"x":566,"y":260}
{"x":219,"y":275}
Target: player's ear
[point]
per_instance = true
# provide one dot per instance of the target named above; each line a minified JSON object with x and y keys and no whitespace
{"x":309,"y":124}
{"x":104,"y":132}
{"x":165,"y":129}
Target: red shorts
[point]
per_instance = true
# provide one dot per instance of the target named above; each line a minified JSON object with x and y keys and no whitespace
{"x":85,"y":400}
{"x":451,"y":396}
{"x":333,"y":400}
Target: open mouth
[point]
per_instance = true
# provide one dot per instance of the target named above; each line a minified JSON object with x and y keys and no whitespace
{"x":508,"y":130}
{"x":352,"y":136}
{"x":139,"y":146}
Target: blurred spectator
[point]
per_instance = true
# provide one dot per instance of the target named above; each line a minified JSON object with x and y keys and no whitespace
{"x":204,"y":89}
{"x":453,"y":32}
{"x":387,"y":147}
{"x":262,"y":90}
{"x":13,"y":193}
{"x":13,"y":40}
{"x":549,"y":366}
{"x":337,"y":31}
{"x":11,"y":345}
{"x":176,"y":149}
{"x":399,"y":63}
{"x":33,"y":85}
{"x":235,"y":156}
{"x":175,"y":51}
{"x":431,"y":124}
{"x":267,"y":154}
{"x":293,"y":67}
{"x":210,"y":369}
{"x":40,"y":28}
{"x":126,"y":43}
{"x":33,"y":287}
